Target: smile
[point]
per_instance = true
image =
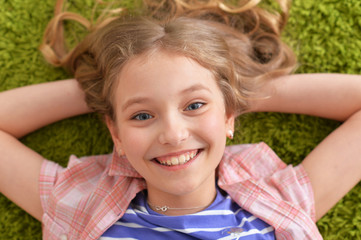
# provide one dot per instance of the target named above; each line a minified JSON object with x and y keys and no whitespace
{"x":175,"y":160}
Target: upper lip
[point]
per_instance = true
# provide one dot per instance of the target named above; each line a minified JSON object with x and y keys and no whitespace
{"x":175,"y":153}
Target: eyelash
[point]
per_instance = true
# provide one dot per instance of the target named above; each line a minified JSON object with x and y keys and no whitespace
{"x":137,"y":117}
{"x":197,"y":104}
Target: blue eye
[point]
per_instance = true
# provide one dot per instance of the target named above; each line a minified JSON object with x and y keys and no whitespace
{"x":194,"y":106}
{"x":142,"y":117}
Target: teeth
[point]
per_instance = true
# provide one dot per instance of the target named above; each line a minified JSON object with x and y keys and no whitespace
{"x":177,"y":160}
{"x":174,"y":160}
{"x":182,"y":159}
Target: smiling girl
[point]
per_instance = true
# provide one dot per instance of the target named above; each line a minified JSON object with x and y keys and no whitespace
{"x":169,"y":89}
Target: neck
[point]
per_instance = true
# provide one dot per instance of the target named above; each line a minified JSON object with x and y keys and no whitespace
{"x":182,"y":202}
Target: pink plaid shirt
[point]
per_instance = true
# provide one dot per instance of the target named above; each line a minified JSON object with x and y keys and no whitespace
{"x":92,"y":193}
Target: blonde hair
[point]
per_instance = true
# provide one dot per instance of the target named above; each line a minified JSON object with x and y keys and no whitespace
{"x":241,"y":46}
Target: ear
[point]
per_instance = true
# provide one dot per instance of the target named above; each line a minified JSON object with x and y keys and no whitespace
{"x":230,"y":118}
{"x":113,"y":129}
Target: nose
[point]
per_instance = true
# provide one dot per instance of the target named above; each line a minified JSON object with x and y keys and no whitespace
{"x":173,"y":130}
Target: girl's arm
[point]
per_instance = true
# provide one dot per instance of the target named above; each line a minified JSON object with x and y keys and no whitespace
{"x":22,"y":111}
{"x":334,"y":166}
{"x":332,"y":96}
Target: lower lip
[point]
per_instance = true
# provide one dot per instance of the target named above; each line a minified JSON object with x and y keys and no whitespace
{"x":181,"y":166}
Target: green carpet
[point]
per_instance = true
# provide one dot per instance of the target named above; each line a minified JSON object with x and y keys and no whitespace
{"x":325,"y":34}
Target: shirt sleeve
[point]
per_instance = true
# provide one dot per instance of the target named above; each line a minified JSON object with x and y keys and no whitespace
{"x":292,"y":184}
{"x":48,"y":176}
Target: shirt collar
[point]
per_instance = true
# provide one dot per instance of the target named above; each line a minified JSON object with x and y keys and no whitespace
{"x":120,"y":166}
{"x":230,"y":169}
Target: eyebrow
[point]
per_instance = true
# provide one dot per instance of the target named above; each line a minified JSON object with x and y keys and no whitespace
{"x":134,"y":100}
{"x":139,"y":100}
{"x":195,"y":87}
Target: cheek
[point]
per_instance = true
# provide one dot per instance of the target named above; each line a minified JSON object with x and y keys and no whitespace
{"x":213,"y":126}
{"x":134,"y":142}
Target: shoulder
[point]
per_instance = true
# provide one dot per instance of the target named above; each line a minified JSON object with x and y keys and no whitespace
{"x":83,"y":168}
{"x":256,"y":166}
{"x":88,"y":189}
{"x":81,"y":173}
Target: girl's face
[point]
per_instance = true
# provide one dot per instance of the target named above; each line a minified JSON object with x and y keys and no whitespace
{"x":171,"y":124}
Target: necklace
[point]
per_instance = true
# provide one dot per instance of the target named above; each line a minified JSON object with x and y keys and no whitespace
{"x":166,"y":208}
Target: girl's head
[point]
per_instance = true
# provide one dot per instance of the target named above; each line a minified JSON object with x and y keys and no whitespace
{"x":170,"y":88}
{"x":240,"y":50}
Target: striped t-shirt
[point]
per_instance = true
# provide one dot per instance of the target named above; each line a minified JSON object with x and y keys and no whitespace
{"x":223,"y":219}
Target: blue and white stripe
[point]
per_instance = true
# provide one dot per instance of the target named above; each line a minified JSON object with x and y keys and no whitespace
{"x":224,"y":219}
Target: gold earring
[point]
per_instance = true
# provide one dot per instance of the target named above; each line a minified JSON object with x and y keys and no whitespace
{"x":230,"y":134}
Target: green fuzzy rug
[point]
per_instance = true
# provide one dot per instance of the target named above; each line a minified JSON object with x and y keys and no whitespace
{"x":325,"y":34}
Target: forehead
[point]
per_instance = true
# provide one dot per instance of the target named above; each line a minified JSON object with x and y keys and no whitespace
{"x":162,"y":73}
{"x":160,"y":63}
